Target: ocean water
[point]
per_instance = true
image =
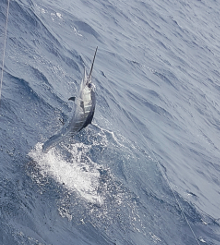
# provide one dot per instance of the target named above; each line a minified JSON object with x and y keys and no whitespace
{"x":147,"y":170}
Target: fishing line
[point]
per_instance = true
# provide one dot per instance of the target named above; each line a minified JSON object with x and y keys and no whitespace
{"x":178,"y":203}
{"x":4,"y":49}
{"x":169,"y":184}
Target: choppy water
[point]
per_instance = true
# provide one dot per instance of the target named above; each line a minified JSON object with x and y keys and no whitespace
{"x":147,"y":170}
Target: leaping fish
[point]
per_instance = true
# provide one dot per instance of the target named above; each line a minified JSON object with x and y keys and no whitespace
{"x":84,"y":111}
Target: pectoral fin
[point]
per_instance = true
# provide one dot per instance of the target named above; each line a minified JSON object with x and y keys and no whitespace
{"x":82,"y":106}
{"x":72,"y":98}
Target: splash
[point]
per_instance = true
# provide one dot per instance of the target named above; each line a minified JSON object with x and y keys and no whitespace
{"x":78,"y":173}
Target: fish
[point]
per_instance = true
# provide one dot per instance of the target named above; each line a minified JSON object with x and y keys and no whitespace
{"x":84,"y":104}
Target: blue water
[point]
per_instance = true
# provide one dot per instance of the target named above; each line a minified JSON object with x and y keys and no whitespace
{"x":147,"y":170}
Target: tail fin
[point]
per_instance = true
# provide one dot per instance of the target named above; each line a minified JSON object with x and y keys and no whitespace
{"x":90,"y":73}
{"x":52,"y":141}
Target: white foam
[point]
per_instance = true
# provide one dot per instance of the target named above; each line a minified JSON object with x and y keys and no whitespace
{"x":59,"y":15}
{"x":76,"y":173}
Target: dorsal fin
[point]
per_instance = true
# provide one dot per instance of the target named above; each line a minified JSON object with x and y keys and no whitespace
{"x":90,"y":73}
{"x":72,"y":98}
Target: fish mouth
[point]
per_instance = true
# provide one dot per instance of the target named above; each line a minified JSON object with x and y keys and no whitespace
{"x":90,"y":73}
{"x":88,"y":81}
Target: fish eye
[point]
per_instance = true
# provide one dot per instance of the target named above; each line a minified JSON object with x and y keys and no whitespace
{"x":91,"y":86}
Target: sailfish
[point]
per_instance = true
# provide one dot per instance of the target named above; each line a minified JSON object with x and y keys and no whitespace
{"x":83,"y":114}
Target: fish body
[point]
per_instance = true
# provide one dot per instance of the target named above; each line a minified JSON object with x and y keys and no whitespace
{"x":83,"y":114}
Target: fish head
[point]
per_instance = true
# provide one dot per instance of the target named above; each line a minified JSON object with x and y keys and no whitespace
{"x":87,"y":81}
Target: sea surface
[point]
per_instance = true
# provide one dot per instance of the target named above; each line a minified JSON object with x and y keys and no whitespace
{"x":147,"y":170}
